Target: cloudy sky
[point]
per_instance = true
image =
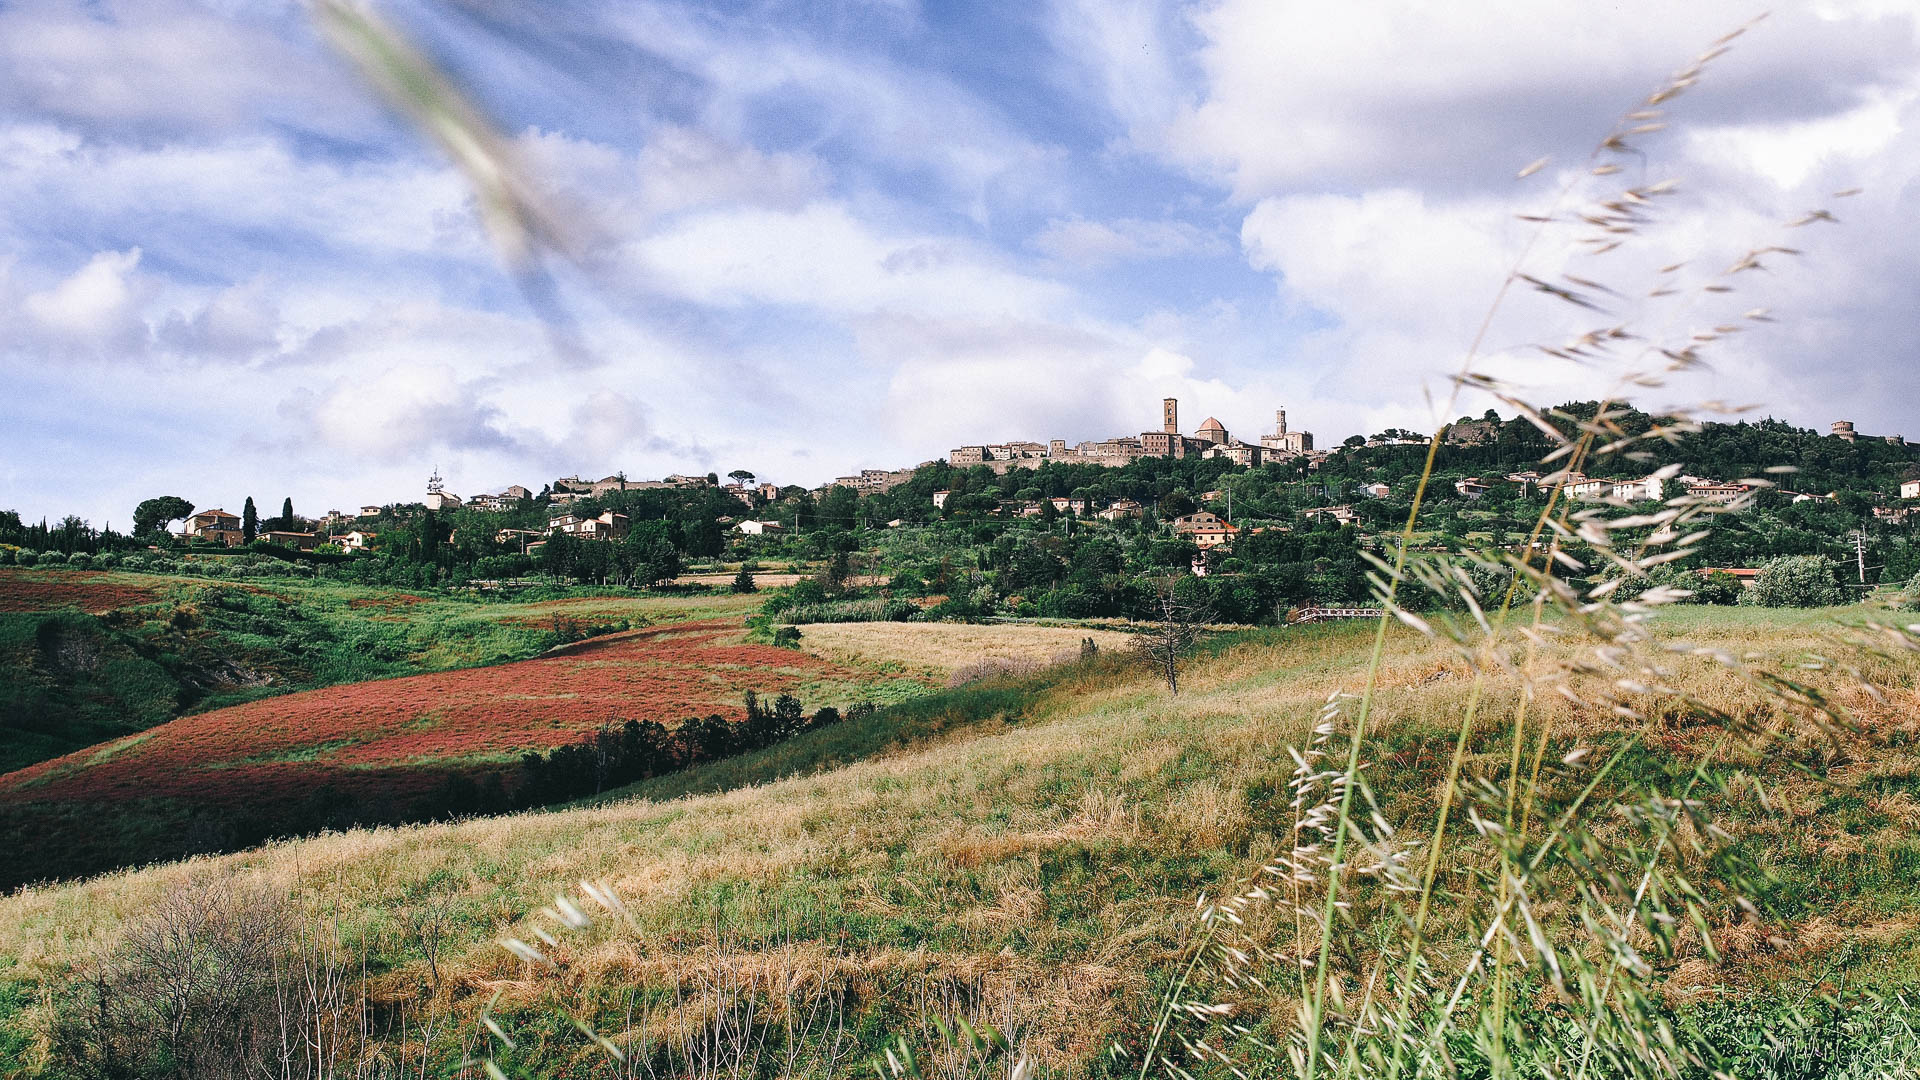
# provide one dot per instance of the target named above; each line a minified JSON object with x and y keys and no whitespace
{"x":816,"y":236}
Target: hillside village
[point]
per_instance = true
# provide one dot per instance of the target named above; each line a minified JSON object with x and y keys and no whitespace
{"x":1208,"y":530}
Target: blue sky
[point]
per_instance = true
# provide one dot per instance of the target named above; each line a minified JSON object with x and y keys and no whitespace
{"x":818,"y":236}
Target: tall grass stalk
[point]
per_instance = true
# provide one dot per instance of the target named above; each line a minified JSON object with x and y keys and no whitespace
{"x":1570,"y":916}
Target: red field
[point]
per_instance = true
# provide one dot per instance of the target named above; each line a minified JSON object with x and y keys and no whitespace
{"x":399,"y":735}
{"x":24,"y":590}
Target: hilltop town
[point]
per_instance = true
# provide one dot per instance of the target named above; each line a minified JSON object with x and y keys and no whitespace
{"x":1294,"y":449}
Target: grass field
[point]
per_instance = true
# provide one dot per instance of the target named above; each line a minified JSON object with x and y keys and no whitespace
{"x":1027,"y":851}
{"x":89,"y":657}
{"x":938,"y":650}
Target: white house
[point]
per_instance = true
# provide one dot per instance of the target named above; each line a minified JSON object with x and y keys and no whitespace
{"x":1642,"y":490}
{"x":940,"y":499}
{"x":1471,"y":487}
{"x":1910,"y":489}
{"x":757,"y":528}
{"x":1375,"y":490}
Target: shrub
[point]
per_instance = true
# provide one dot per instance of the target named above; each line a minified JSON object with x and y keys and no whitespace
{"x":1718,"y":587}
{"x":1795,"y":581}
{"x":80,"y":560}
{"x":27,"y":557}
{"x":6,"y":556}
{"x":874,"y":610}
{"x":787,"y":637}
{"x":106,"y":560}
{"x":190,"y":989}
{"x":994,"y":667}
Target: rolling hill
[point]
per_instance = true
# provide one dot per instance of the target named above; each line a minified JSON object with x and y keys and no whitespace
{"x":1028,"y":850}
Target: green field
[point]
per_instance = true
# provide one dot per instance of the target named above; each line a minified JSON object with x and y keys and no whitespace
{"x":77,"y":674}
{"x":1029,"y":851}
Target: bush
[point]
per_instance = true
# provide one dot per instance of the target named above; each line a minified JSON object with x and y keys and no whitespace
{"x":6,"y":556}
{"x":80,"y":560}
{"x":190,"y":991}
{"x":787,"y":637}
{"x":106,"y":561}
{"x":874,"y":610}
{"x":1718,"y":587}
{"x":1795,"y":581}
{"x":27,"y":557}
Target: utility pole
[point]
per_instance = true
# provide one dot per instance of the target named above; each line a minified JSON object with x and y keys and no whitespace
{"x":1860,"y":552}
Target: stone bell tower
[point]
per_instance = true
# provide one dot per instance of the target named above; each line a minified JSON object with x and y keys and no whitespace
{"x":1170,"y":416}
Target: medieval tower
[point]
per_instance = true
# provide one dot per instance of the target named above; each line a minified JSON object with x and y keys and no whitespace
{"x":1170,"y":416}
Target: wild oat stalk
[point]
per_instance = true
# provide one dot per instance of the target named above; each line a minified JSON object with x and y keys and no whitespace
{"x":1583,"y":914}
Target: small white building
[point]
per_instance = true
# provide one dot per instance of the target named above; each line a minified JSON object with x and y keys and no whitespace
{"x":940,"y":499}
{"x":757,"y":528}
{"x":1645,"y":489}
{"x":1375,"y":490}
{"x":1910,"y":489}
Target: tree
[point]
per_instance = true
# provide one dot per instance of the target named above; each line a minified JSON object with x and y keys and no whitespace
{"x":741,"y":477}
{"x":663,"y":563}
{"x":1180,"y":613}
{"x":1795,"y":581}
{"x":743,"y":581}
{"x":249,"y":522}
{"x":286,"y":515}
{"x":155,"y":514}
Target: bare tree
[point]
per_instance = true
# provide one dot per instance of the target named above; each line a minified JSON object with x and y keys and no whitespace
{"x":1180,"y":616}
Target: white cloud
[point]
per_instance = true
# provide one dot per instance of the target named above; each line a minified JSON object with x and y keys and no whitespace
{"x":165,"y":67}
{"x":824,"y":257}
{"x":908,"y":117}
{"x":97,"y":307}
{"x":1096,"y":243}
{"x":1440,"y":96}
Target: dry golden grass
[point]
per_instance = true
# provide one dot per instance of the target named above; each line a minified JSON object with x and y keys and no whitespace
{"x":1051,"y":861}
{"x":943,"y":648}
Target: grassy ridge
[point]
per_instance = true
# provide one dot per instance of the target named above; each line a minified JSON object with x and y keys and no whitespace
{"x":75,"y":675}
{"x":1034,"y":846}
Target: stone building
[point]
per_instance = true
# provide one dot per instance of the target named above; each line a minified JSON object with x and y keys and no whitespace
{"x":1284,"y":441}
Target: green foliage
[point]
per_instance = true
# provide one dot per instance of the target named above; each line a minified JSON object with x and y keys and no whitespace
{"x":743,"y":581}
{"x":153,"y":515}
{"x":1795,"y":581}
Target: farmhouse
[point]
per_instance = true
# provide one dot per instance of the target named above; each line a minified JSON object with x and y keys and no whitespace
{"x":214,"y":527}
{"x":1342,"y":515}
{"x":1724,"y":494}
{"x":757,"y":528}
{"x":607,"y":526}
{"x":357,"y":540}
{"x":1207,"y":537}
{"x":505,"y":500}
{"x":1199,"y":519}
{"x":299,"y":541}
{"x":1472,"y":487}
{"x":1910,"y":489}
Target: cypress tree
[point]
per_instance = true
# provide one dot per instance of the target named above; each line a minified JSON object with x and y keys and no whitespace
{"x":249,"y":522}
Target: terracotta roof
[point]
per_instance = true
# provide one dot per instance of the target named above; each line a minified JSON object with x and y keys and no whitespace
{"x":1210,"y":422}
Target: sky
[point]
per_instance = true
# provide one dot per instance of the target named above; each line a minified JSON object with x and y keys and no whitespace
{"x":818,"y":236}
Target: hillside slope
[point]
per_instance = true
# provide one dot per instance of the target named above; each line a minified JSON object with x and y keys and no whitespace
{"x":87,"y":656}
{"x":1032,"y":856}
{"x":367,"y":751}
